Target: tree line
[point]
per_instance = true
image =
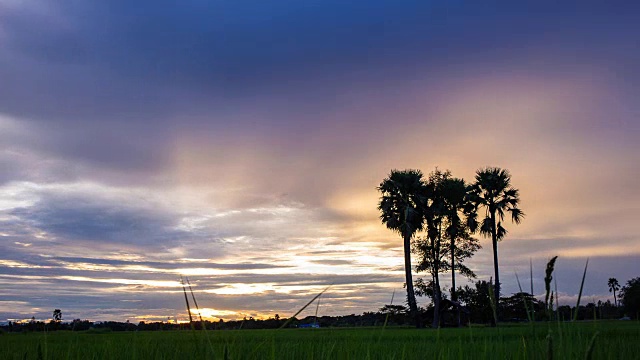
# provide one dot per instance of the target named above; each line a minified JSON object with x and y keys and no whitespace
{"x":475,"y":298}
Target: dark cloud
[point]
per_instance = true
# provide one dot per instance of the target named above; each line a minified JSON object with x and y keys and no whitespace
{"x":113,"y":86}
{"x":85,"y":219}
{"x":126,"y":62}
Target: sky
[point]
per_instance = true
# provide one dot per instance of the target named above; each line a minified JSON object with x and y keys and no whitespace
{"x":240,"y":143}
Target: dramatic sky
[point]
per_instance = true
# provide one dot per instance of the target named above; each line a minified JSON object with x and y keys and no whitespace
{"x":240,"y":143}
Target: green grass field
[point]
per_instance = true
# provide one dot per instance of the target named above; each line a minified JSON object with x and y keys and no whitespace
{"x":613,"y":340}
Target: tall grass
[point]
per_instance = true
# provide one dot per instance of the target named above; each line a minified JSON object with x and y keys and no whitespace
{"x":548,"y":276}
{"x":186,"y":300}
{"x":195,"y":302}
{"x":555,"y":285}
{"x":524,"y":300}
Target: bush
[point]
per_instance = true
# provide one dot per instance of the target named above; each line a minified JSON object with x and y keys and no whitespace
{"x":630,"y":296}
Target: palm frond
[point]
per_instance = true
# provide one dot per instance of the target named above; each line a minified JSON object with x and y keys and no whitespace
{"x":402,"y":197}
{"x":500,"y":231}
{"x":486,"y":228}
{"x":516,"y":215}
{"x":472,"y":222}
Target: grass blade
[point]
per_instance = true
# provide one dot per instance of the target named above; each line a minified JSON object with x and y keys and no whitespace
{"x":531,"y":274}
{"x":526,"y":307}
{"x":304,"y":307}
{"x":315,"y":322}
{"x":186,"y":300}
{"x":202,"y":324}
{"x":584,"y":275}
{"x":194,"y":301}
{"x":386,"y":318}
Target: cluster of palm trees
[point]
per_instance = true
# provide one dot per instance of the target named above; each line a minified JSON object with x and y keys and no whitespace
{"x":445,"y":206}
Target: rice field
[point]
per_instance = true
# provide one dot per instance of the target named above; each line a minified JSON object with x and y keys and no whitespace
{"x":577,"y":340}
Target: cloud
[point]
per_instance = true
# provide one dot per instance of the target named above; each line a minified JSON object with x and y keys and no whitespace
{"x":85,"y":212}
{"x":162,"y":61}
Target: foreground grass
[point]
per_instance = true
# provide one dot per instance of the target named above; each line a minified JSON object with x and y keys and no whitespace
{"x":613,"y":340}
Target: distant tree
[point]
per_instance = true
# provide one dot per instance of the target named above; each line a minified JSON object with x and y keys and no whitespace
{"x":515,"y":307}
{"x":428,"y":256}
{"x":80,"y":325}
{"x":393,"y":314}
{"x":613,"y":287}
{"x":630,"y":297}
{"x":608,"y":310}
{"x":401,"y":207}
{"x":393,"y":309}
{"x":57,"y":315}
{"x":477,"y":300}
{"x":492,"y":191}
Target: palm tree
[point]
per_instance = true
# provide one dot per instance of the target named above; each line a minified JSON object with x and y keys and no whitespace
{"x":456,"y":204}
{"x":57,"y":315}
{"x":492,"y":190}
{"x":435,"y":214}
{"x":455,"y":196}
{"x":613,"y":287}
{"x":401,"y":210}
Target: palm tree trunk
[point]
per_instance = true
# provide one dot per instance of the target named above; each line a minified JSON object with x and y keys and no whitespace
{"x":411,"y":296}
{"x":436,"y":302}
{"x":453,"y":275}
{"x":615,"y":300}
{"x":436,"y":270}
{"x":494,"y":238}
{"x":454,"y":236}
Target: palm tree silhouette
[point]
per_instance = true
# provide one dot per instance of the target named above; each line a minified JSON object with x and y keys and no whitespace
{"x":455,"y":196}
{"x":436,"y":219}
{"x":613,"y":287}
{"x":456,"y":204}
{"x":401,"y":209}
{"x":57,"y":315}
{"x":492,"y":190}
